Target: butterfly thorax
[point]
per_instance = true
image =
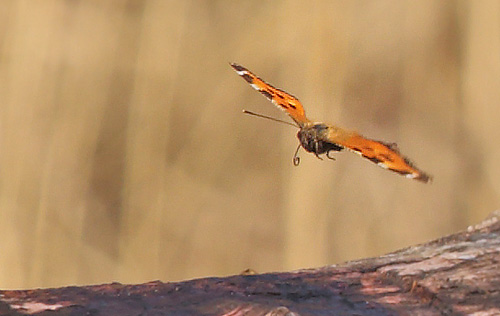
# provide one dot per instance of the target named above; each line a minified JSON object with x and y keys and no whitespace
{"x":314,"y":138}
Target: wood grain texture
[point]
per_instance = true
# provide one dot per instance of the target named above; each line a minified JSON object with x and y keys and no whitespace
{"x":454,"y":275}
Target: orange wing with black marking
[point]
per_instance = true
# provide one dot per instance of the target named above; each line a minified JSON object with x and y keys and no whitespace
{"x":386,"y":155}
{"x":280,"y":98}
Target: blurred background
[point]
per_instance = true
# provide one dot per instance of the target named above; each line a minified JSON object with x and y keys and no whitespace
{"x":124,"y":154}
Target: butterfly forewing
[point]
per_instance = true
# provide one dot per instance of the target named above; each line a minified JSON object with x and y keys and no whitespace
{"x":280,"y":98}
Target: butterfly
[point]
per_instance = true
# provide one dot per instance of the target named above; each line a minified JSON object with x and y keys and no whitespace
{"x":320,"y":138}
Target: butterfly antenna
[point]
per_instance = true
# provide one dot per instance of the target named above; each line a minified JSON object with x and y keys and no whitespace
{"x":296,"y":158}
{"x":269,"y":118}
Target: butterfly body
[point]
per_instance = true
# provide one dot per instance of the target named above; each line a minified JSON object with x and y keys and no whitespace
{"x":320,"y":138}
{"x":314,"y":138}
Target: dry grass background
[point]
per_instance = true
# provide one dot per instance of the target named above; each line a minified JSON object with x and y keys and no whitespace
{"x":124,"y":155}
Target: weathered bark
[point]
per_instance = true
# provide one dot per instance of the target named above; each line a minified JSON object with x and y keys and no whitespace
{"x":454,"y":275}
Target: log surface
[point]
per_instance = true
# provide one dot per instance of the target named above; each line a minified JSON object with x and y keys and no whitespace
{"x":454,"y":275}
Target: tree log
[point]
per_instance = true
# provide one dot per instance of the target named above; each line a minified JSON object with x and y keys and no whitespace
{"x":454,"y":275}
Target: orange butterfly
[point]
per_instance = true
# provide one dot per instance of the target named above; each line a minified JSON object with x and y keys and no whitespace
{"x":319,"y":138}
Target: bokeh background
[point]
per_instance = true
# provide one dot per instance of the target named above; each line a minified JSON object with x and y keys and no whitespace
{"x":124,"y":155}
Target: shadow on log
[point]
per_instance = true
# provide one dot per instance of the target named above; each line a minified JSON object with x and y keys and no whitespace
{"x":454,"y":275}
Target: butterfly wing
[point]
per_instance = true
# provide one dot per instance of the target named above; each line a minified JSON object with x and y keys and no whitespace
{"x":386,"y":155}
{"x":383,"y":154}
{"x":286,"y":102}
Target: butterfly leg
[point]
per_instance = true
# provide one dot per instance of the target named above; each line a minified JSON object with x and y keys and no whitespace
{"x":317,"y":149}
{"x":318,"y":156}
{"x":328,"y":155}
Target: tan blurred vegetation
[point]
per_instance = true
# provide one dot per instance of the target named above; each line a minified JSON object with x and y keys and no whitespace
{"x":124,"y":155}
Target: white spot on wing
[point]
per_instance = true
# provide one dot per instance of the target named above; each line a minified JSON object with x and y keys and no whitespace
{"x":256,"y":87}
{"x":354,"y":151}
{"x":381,"y":164}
